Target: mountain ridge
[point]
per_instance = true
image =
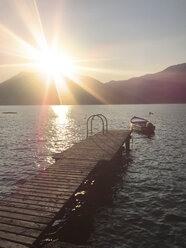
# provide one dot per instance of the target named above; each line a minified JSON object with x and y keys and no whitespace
{"x":166,"y":86}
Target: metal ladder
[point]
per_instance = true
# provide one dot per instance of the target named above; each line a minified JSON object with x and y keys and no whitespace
{"x":103,"y":120}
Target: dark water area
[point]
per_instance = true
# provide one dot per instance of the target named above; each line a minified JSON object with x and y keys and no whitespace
{"x":146,"y":206}
{"x":149,"y":204}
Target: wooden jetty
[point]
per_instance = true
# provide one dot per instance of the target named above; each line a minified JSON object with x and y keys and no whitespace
{"x":26,"y":213}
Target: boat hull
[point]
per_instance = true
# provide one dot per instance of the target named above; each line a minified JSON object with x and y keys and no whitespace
{"x":142,"y":129}
{"x":141,"y":125}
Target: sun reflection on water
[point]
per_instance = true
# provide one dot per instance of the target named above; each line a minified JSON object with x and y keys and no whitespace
{"x":60,"y":128}
{"x":61,"y":113}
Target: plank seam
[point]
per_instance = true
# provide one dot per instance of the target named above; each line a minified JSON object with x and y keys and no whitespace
{"x":39,"y":222}
{"x":14,"y":241}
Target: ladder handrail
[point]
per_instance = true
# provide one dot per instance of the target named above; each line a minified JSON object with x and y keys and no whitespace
{"x":102,"y":117}
{"x":106,"y":121}
{"x":103,"y":125}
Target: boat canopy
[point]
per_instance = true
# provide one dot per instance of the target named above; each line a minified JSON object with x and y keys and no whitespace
{"x":138,"y":119}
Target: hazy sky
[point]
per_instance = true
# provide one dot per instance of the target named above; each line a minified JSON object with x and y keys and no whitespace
{"x":117,"y":39}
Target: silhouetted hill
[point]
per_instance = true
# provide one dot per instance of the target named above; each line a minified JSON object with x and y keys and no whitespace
{"x":29,"y":88}
{"x":167,"y":86}
{"x":88,"y":91}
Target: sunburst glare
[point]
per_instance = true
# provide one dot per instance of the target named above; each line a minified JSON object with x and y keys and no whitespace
{"x":52,"y":63}
{"x":43,"y":55}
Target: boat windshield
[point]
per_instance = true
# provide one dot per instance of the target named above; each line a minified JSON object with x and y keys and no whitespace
{"x":136,"y":119}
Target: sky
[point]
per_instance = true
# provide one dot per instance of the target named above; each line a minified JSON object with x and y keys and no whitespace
{"x":110,"y":39}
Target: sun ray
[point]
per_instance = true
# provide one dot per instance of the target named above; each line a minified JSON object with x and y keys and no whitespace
{"x":23,"y":46}
{"x":45,"y":56}
{"x":62,"y":86}
{"x":21,"y":65}
{"x":15,"y":53}
{"x":29,"y":11}
{"x":43,"y":38}
{"x":101,"y":70}
{"x":46,"y":91}
{"x":79,"y":82}
{"x":88,"y":60}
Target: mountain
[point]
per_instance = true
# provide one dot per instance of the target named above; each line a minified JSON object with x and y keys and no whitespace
{"x":88,"y":91}
{"x":167,"y":86}
{"x":30,"y":88}
{"x":26,"y":88}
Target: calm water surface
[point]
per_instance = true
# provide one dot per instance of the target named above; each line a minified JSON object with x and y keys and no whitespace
{"x":148,"y":206}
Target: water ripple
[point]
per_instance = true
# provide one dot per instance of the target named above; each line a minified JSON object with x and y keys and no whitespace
{"x":149,"y":202}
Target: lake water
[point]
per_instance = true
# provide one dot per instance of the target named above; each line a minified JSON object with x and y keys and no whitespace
{"x":148,"y":205}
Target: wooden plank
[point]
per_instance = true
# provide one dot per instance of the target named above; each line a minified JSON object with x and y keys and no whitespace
{"x":62,"y":170}
{"x":88,"y":157}
{"x":94,"y":143}
{"x":75,"y":163}
{"x":77,"y":160}
{"x":103,"y":157}
{"x":98,"y":140}
{"x":31,"y":218}
{"x":22,"y":223}
{"x":38,"y":198}
{"x":51,"y":185}
{"x":16,"y":238}
{"x":56,"y":182}
{"x":20,"y":230}
{"x":8,"y":244}
{"x":82,"y":152}
{"x":60,"y":166}
{"x":67,"y":178}
{"x":67,"y":181}
{"x":87,"y":150}
{"x":46,"y":191}
{"x":102,"y":154}
{"x":65,"y":173}
{"x":30,"y":206}
{"x":45,"y":195}
{"x":73,"y":169}
{"x":26,"y":211}
{"x":42,"y":188}
{"x":57,"y":177}
{"x":70,"y":169}
{"x":34,"y":202}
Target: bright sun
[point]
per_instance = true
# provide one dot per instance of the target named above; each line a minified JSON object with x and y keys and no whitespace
{"x":53,"y":64}
{"x":44,"y":54}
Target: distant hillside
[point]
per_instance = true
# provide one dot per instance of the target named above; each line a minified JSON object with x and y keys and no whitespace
{"x":167,"y":86}
{"x":26,"y":88}
{"x":29,"y":88}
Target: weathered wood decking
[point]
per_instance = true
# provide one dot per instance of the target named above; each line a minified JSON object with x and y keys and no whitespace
{"x":26,"y":213}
